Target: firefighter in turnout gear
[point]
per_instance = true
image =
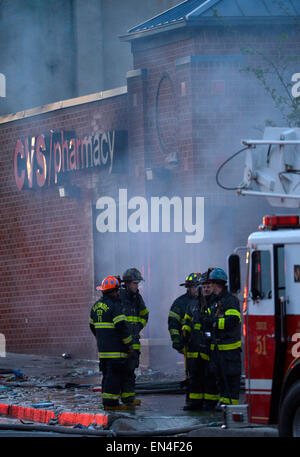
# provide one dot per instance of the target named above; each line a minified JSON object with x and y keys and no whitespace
{"x":211,"y":396}
{"x":224,"y":324}
{"x":202,"y":392}
{"x":178,"y":310}
{"x":207,"y":287}
{"x":137,"y":315}
{"x":114,"y":341}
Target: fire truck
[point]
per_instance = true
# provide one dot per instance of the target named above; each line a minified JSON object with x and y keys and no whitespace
{"x":271,"y":295}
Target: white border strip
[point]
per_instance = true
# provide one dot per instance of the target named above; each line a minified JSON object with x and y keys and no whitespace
{"x":258,"y":386}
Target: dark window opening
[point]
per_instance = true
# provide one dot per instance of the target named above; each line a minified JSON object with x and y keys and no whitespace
{"x":261,"y":285}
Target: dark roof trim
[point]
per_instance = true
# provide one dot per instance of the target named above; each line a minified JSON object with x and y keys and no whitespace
{"x":153,"y":31}
{"x":169,"y":16}
{"x":211,"y":22}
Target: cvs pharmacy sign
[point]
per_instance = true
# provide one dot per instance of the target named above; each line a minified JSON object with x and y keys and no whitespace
{"x":43,"y":160}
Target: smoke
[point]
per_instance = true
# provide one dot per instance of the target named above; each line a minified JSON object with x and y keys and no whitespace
{"x":228,"y":105}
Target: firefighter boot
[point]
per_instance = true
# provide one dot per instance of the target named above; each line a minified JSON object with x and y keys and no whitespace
{"x":123,"y":407}
{"x":135,"y":402}
{"x":193,"y":406}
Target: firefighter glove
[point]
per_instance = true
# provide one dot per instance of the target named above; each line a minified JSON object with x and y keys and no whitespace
{"x":130,"y":351}
{"x":207,"y":323}
{"x":177,"y":344}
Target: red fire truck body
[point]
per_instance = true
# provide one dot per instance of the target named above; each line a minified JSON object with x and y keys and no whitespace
{"x":271,"y":320}
{"x":271,"y":306}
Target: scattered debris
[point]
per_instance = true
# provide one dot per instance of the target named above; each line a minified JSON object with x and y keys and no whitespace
{"x":53,"y":421}
{"x":80,"y":426}
{"x":19,"y":374}
{"x":4,"y":388}
{"x":46,"y":386}
{"x":41,"y":404}
{"x":97,"y":389}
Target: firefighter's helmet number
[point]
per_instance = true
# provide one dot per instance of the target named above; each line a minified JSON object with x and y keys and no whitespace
{"x":261,"y":345}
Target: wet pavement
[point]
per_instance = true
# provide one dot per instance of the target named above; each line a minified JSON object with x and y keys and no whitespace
{"x":61,"y":384}
{"x":45,"y":380}
{"x":72,"y":385}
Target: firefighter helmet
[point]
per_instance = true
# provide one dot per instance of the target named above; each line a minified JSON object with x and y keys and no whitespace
{"x":192,"y":279}
{"x":132,"y":274}
{"x":108,"y":284}
{"x":205,"y":276}
{"x":218,"y":275}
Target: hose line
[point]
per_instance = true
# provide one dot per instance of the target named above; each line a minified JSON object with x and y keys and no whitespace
{"x":223,"y":164}
{"x":107,"y":433}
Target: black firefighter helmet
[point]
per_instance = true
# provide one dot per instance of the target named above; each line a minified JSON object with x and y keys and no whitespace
{"x":132,"y":274}
{"x":205,"y":276}
{"x":192,"y":279}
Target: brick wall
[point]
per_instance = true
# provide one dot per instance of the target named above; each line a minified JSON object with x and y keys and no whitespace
{"x":46,"y":267}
